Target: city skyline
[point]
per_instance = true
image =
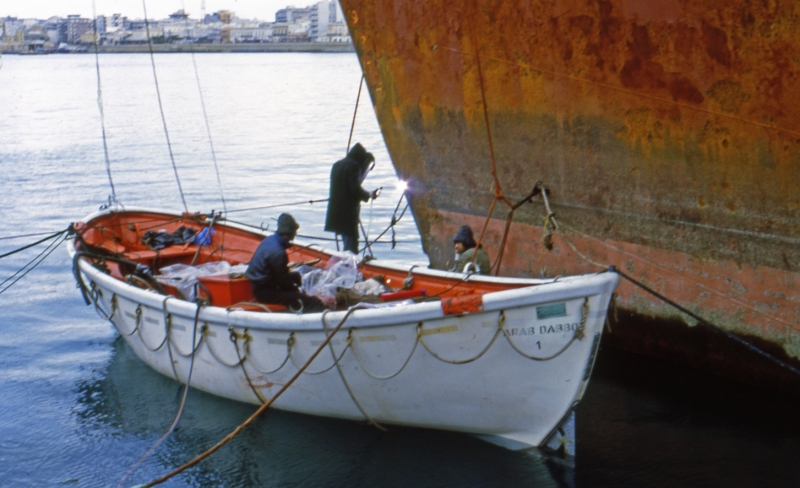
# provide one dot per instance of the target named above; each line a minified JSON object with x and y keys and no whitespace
{"x":43,"y":9}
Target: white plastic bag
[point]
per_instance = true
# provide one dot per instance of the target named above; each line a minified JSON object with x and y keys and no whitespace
{"x":322,"y":283}
{"x":183,"y":277}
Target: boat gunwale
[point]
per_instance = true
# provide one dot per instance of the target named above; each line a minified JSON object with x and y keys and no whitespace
{"x":537,"y":292}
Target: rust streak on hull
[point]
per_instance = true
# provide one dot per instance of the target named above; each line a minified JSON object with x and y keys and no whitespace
{"x":668,"y":130}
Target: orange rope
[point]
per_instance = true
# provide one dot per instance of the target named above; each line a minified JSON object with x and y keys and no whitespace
{"x":258,"y":412}
{"x":498,"y":189}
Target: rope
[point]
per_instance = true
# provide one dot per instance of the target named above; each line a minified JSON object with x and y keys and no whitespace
{"x":137,"y":318}
{"x":208,"y":126}
{"x":141,"y":336}
{"x":32,"y":263}
{"x":500,"y":321}
{"x":706,"y":322}
{"x":311,"y":202}
{"x":258,"y":412}
{"x":391,"y":225}
{"x":100,"y":105}
{"x":51,"y":236}
{"x":249,"y":357}
{"x":355,"y":111}
{"x":367,"y":246}
{"x":220,"y":361}
{"x":335,"y":359}
{"x":577,"y":334}
{"x":344,"y":380}
{"x":234,"y":338}
{"x":551,"y":216}
{"x":96,"y":295}
{"x":170,"y":345}
{"x":195,"y":344}
{"x":24,"y":235}
{"x":364,"y":368}
{"x":180,"y":407}
{"x":667,"y":270}
{"x":161,"y":106}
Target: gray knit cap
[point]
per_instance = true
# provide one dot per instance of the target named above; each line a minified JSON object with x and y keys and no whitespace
{"x":286,"y":224}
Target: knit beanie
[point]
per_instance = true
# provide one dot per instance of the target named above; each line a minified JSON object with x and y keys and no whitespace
{"x":286,"y":224}
{"x":464,"y":236}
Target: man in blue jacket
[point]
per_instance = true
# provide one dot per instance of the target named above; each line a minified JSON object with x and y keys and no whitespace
{"x":346,"y":195}
{"x":269,"y":274}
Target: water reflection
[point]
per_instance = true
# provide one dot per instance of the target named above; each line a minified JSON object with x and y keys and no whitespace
{"x":285,"y":449}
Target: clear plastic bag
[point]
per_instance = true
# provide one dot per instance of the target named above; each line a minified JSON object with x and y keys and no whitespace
{"x":323,"y":283}
{"x":183,"y":277}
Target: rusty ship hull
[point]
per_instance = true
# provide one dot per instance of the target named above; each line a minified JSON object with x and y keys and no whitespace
{"x":666,"y":133}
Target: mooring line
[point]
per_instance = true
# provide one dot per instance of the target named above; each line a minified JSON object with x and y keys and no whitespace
{"x":161,"y":106}
{"x":100,"y":105}
{"x":180,"y":407}
{"x":706,"y":322}
{"x":258,"y":412}
{"x":41,"y":257}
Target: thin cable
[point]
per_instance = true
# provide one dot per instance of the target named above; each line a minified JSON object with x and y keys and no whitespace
{"x":355,"y":111}
{"x":705,"y":322}
{"x":44,"y":254}
{"x":310,"y":202}
{"x":667,"y":270}
{"x":100,"y":106}
{"x":205,"y":117}
{"x":161,"y":106}
{"x":34,"y":244}
{"x":24,"y":235}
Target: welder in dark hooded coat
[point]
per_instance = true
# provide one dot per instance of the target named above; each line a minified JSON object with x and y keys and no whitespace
{"x":346,"y":195}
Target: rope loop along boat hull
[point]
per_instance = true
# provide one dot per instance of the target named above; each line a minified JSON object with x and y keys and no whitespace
{"x":509,"y":370}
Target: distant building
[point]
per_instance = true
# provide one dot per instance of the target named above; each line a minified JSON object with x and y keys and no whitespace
{"x":179,"y":16}
{"x":225,"y":16}
{"x":13,"y":30}
{"x":53,"y":28}
{"x":100,"y":23}
{"x":75,"y":26}
{"x":322,"y":21}
{"x":290,"y":15}
{"x":259,"y":32}
{"x":117,"y":21}
{"x":320,"y":17}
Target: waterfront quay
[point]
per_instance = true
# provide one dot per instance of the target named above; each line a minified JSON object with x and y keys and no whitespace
{"x":293,"y":47}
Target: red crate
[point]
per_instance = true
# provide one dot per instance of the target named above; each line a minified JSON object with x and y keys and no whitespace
{"x":227,"y":291}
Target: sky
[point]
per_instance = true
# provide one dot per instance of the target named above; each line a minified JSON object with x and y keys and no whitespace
{"x":156,"y":9}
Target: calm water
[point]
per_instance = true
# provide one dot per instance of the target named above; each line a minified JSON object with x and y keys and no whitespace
{"x":78,"y":409}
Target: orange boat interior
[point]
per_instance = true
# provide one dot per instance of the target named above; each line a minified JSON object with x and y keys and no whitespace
{"x":120,"y":236}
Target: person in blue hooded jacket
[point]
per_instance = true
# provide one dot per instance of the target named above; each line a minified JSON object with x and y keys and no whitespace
{"x":269,"y":274}
{"x":346,"y":195}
